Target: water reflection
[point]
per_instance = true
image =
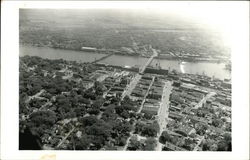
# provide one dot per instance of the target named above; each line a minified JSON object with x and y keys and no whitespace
{"x":210,"y":69}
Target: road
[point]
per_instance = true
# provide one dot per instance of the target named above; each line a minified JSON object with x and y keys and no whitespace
{"x":163,"y":111}
{"x":63,"y":140}
{"x":37,"y":95}
{"x":137,"y":77}
{"x":145,"y":96}
{"x":209,"y":95}
{"x":48,"y":103}
{"x":139,"y":111}
{"x":197,"y":146}
{"x":131,"y":85}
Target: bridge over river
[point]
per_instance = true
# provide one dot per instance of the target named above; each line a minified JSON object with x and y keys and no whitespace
{"x":155,"y":54}
{"x":102,"y":58}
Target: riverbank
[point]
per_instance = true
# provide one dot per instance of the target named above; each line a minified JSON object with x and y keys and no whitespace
{"x":210,"y":69}
{"x":123,"y":53}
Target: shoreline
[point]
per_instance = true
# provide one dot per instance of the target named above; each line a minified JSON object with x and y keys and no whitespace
{"x":100,"y":51}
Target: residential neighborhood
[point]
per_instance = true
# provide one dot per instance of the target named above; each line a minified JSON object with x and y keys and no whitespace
{"x":91,"y":106}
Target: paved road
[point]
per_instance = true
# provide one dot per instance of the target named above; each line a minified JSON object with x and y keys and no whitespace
{"x":37,"y":95}
{"x":131,"y":133}
{"x":197,"y":146}
{"x":209,"y":95}
{"x":63,"y":140}
{"x":131,"y":86}
{"x":144,"y":98}
{"x":163,"y":111}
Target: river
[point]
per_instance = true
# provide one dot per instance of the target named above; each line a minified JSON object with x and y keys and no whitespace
{"x":211,"y":69}
{"x":51,"y":53}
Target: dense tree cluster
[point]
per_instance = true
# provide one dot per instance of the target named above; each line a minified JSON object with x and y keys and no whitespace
{"x":225,"y":144}
{"x":148,"y":144}
{"x":149,"y":130}
{"x":41,"y":121}
{"x":100,"y":127}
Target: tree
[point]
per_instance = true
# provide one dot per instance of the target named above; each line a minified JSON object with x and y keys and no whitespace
{"x":89,"y":94}
{"x":125,"y":114}
{"x":119,"y":109}
{"x":100,"y":128}
{"x":109,"y":115}
{"x":222,"y":146}
{"x":148,"y":115}
{"x":217,"y":122}
{"x":121,"y":141}
{"x":213,"y":147}
{"x":165,"y":137}
{"x":94,"y":111}
{"x":98,"y":103}
{"x":225,"y":144}
{"x":99,"y":88}
{"x":227,"y":137}
{"x":88,"y":121}
{"x":201,"y":128}
{"x":188,"y":144}
{"x":150,"y":144}
{"x":122,"y":127}
{"x":209,"y":145}
{"x":134,"y":145}
{"x":151,"y":130}
{"x":83,"y":100}
{"x":82,"y":143}
{"x":96,"y":142}
{"x":42,"y":120}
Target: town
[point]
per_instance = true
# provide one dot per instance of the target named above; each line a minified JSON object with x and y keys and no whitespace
{"x":94,"y":106}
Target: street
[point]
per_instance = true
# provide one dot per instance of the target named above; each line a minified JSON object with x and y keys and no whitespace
{"x":209,"y":95}
{"x":163,"y":111}
{"x":131,"y":133}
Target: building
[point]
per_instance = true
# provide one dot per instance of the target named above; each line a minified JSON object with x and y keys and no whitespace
{"x":176,"y":84}
{"x":208,"y":104}
{"x":176,"y":98}
{"x":174,"y":115}
{"x":150,"y":108}
{"x":152,"y":70}
{"x":88,"y":49}
{"x":226,"y":85}
{"x":185,"y":130}
{"x":174,"y":147}
{"x":224,"y":101}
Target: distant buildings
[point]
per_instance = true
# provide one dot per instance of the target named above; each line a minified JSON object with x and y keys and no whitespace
{"x":90,"y":49}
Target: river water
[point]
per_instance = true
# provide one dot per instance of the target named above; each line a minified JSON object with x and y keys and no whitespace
{"x":211,"y":69}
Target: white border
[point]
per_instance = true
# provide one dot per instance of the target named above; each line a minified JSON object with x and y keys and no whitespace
{"x":237,"y":30}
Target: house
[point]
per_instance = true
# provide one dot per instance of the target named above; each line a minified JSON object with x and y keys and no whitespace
{"x":226,"y":85}
{"x":175,"y":115}
{"x":187,"y":86}
{"x":176,"y":84}
{"x":147,"y":77}
{"x":174,"y":147}
{"x":177,"y":98}
{"x":185,"y":130}
{"x":150,"y":108}
{"x":198,"y":119}
{"x":175,"y":108}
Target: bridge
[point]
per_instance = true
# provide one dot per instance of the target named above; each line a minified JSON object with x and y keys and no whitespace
{"x":155,"y":54}
{"x":137,"y":77}
{"x":104,"y":57}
